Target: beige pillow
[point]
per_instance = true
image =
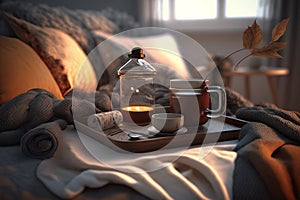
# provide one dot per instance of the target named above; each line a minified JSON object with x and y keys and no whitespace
{"x":161,"y":51}
{"x":59,"y":51}
{"x":22,"y":69}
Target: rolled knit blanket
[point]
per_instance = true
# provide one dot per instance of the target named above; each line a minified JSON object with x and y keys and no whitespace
{"x":42,"y":141}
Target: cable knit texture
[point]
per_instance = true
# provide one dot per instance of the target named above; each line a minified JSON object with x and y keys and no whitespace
{"x":38,"y":106}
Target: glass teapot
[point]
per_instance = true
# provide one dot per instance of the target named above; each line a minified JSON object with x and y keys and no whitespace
{"x":137,"y":92}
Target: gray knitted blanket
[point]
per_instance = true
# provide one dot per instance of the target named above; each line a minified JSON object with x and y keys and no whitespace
{"x":31,"y":118}
{"x":268,"y":164}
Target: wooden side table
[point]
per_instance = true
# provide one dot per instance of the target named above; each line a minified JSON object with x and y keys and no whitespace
{"x":269,"y":73}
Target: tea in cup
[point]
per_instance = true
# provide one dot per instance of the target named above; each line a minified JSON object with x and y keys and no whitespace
{"x":192,"y":99}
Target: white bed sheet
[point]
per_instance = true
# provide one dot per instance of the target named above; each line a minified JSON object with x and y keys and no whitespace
{"x":201,"y":172}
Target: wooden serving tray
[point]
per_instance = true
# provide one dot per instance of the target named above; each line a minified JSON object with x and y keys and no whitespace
{"x":117,"y":139}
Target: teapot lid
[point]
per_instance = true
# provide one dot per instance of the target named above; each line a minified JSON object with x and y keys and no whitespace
{"x":136,"y":65}
{"x":137,"y":52}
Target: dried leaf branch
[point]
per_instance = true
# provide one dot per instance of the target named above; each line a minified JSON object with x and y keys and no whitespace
{"x":252,"y":38}
{"x":279,"y":29}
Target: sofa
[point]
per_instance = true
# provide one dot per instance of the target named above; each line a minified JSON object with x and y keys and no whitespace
{"x":56,"y":62}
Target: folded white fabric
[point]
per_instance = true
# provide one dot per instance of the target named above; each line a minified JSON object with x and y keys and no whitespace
{"x":72,"y":169}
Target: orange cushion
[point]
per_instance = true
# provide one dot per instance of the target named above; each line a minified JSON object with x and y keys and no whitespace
{"x":22,"y":69}
{"x":62,"y":55}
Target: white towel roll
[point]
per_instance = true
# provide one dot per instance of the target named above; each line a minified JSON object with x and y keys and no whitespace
{"x":105,"y":120}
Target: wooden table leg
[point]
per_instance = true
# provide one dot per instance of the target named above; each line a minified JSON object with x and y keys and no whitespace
{"x":247,"y":87}
{"x":227,"y":81}
{"x":273,"y":90}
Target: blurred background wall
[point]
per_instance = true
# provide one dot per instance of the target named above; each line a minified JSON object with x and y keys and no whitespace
{"x":215,"y":42}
